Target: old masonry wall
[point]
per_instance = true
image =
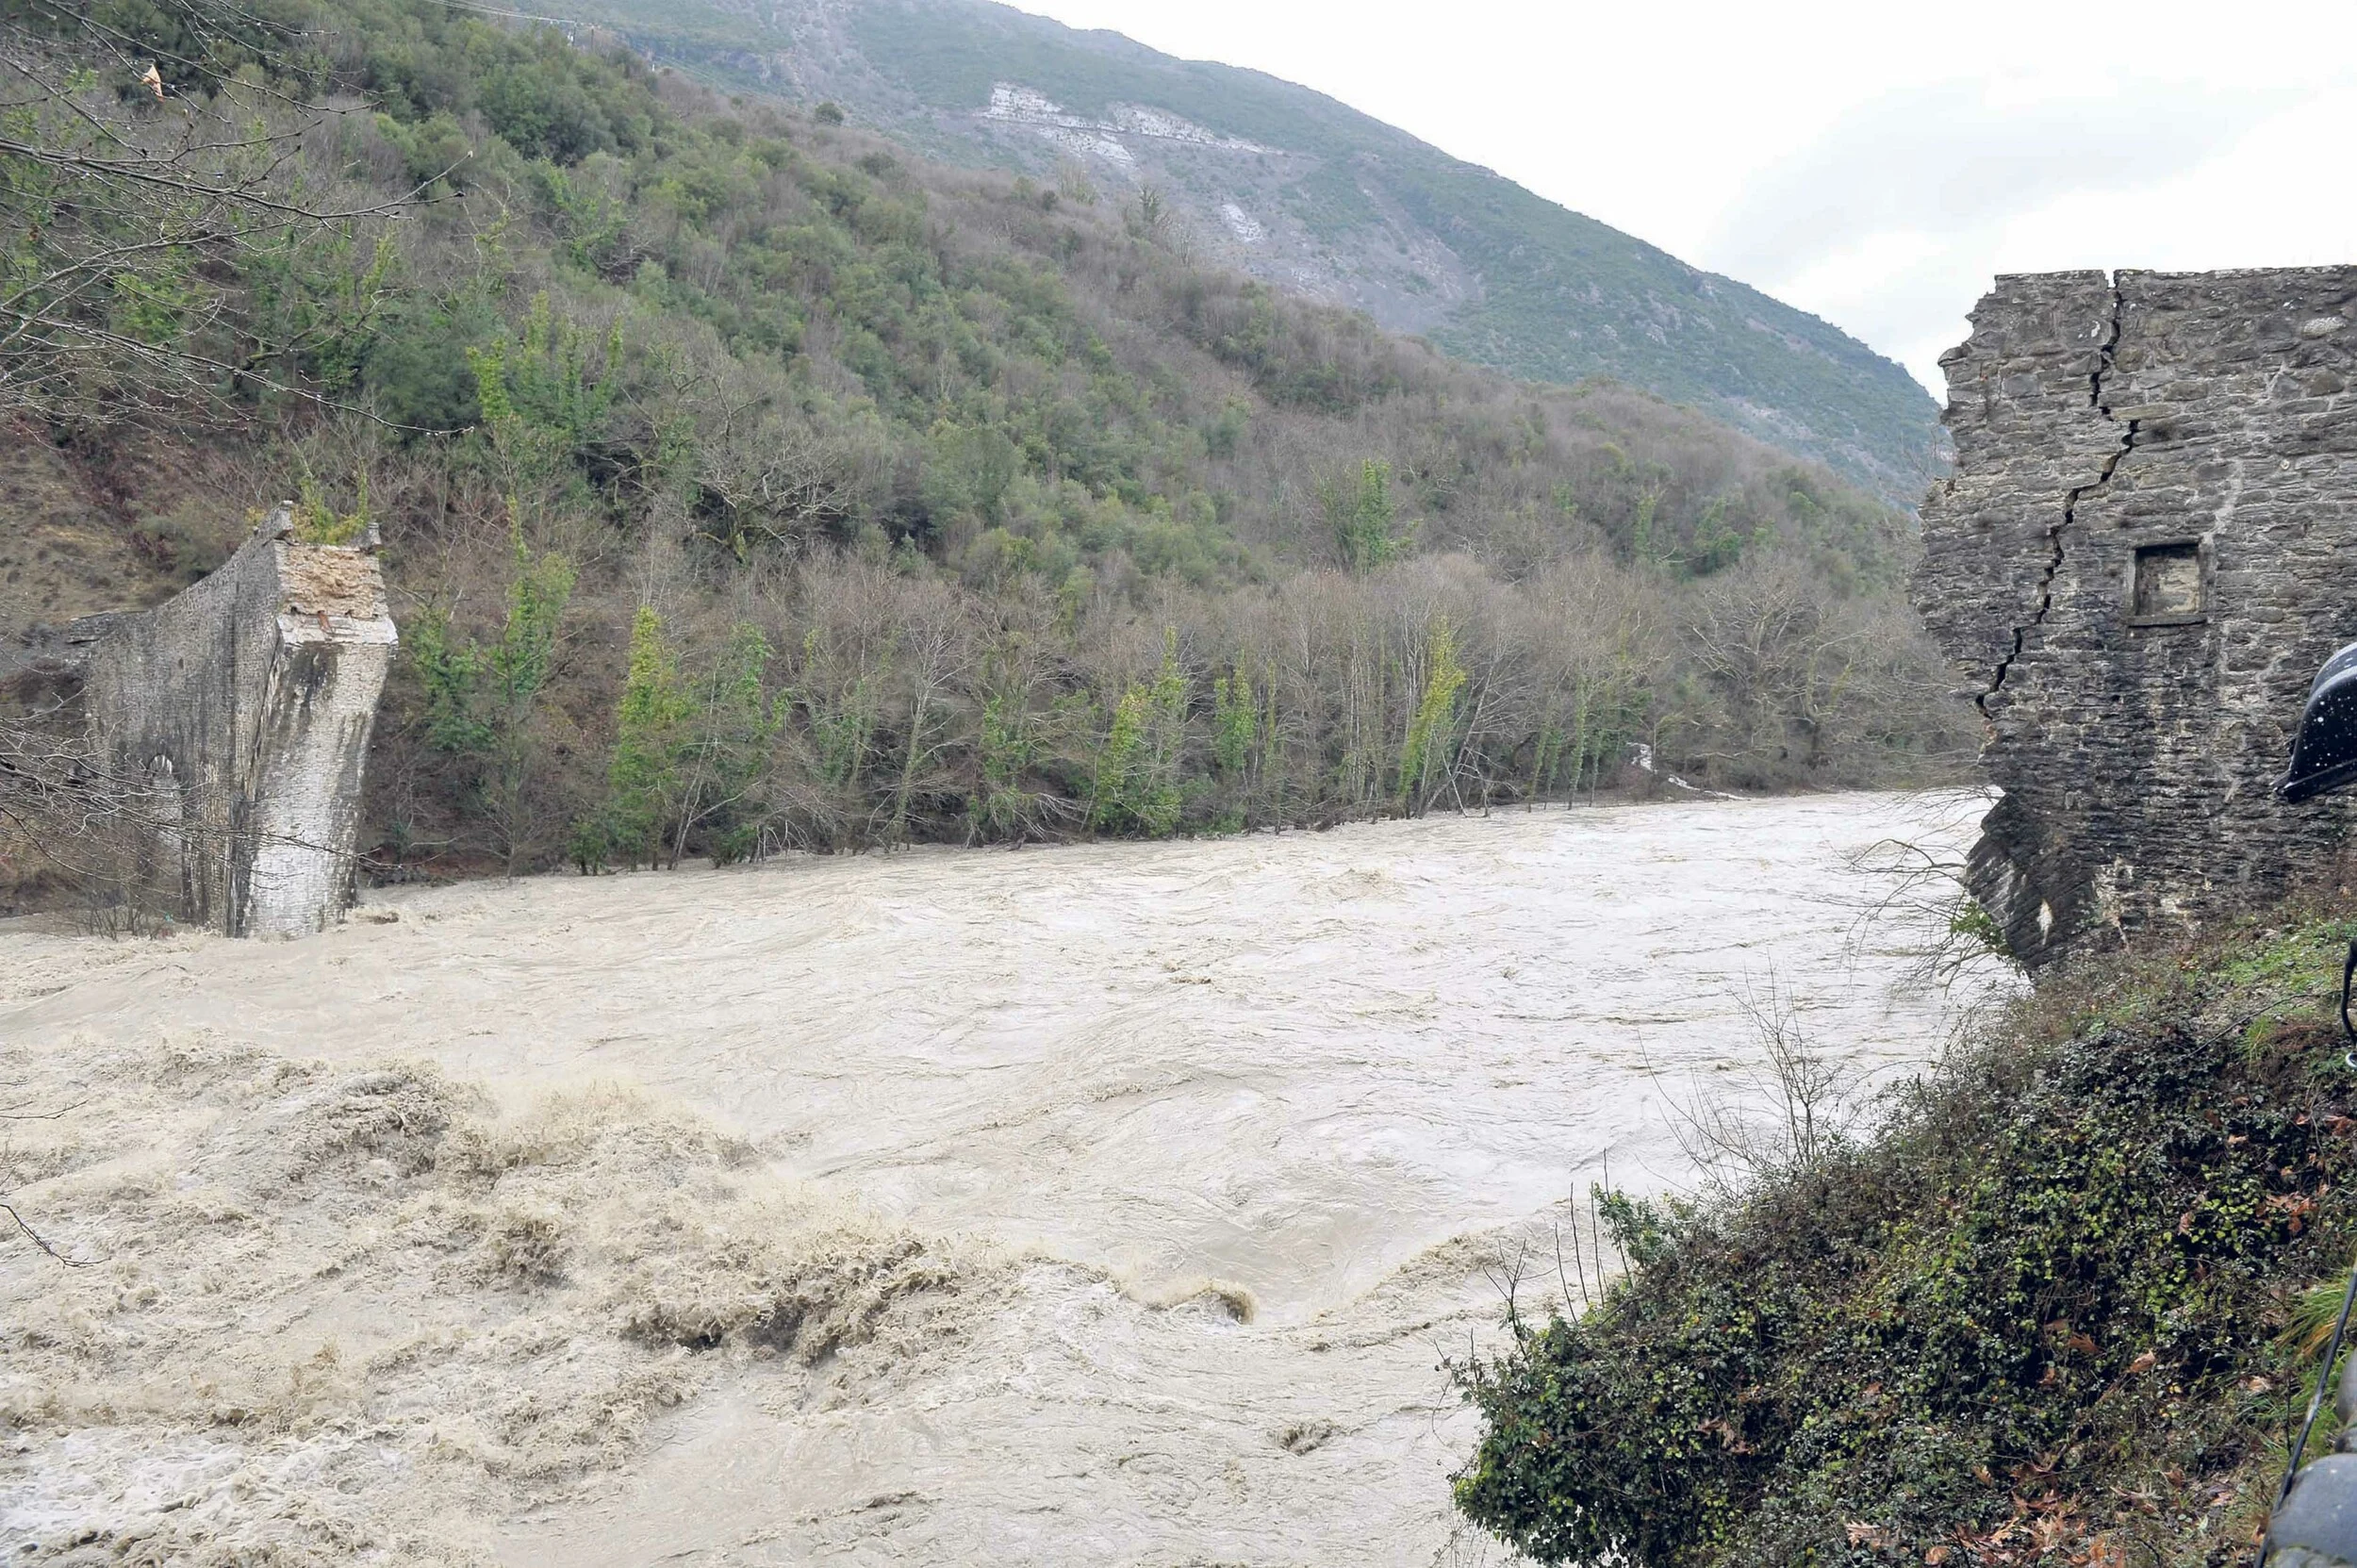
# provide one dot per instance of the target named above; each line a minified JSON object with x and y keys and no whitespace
{"x":2147,"y":549}
{"x":246,"y":704}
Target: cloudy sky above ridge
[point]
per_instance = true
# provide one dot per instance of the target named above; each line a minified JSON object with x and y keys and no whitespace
{"x":1875,"y":163}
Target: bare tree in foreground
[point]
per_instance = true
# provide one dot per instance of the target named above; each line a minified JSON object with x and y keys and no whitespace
{"x":16,"y":1171}
{"x":1799,"y":1108}
{"x":1926,"y":902}
{"x":138,"y":170}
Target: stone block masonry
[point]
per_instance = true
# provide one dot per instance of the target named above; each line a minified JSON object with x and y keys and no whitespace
{"x":246,"y":704}
{"x":2148,"y":548}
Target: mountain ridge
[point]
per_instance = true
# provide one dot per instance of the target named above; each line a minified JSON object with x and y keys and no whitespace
{"x":1296,"y":187}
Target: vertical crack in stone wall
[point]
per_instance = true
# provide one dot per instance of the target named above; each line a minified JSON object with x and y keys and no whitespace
{"x":2140,"y":637}
{"x":2057,"y":536}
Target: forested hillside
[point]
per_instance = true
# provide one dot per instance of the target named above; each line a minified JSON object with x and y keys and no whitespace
{"x":1289,"y":186}
{"x":746,"y":482}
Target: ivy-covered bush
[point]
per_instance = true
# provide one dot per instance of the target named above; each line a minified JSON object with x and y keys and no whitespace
{"x":2038,"y":1316}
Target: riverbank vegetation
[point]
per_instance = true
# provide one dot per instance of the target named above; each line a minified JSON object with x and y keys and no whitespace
{"x":2060,"y":1308}
{"x":746,"y":482}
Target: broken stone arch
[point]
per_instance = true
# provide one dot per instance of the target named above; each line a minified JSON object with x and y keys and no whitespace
{"x":240,"y":712}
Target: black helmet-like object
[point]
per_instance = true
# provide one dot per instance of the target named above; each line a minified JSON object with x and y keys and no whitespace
{"x":2324,"y":752}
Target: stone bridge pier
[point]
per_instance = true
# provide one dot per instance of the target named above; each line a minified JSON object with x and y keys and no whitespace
{"x":243,"y":707}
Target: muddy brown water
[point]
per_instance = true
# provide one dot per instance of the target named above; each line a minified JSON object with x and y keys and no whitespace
{"x":1271,"y":1118}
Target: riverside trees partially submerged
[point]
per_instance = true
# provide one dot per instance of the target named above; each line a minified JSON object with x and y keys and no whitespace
{"x":844,"y":703}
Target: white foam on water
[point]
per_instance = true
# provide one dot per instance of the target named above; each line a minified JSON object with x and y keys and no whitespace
{"x":1252,"y":1129}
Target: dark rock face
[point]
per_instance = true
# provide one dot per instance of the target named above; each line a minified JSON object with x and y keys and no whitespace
{"x":2147,"y":550}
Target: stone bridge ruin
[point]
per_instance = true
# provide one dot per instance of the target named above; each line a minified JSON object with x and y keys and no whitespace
{"x":238,"y":714}
{"x":2148,"y":548}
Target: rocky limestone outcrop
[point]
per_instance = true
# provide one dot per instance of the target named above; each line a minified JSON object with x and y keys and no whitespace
{"x":245,"y":705}
{"x":2140,"y":561}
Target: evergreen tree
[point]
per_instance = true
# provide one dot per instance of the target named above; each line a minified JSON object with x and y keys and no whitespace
{"x":1432,"y":728}
{"x":643,"y":780}
{"x":482,"y":700}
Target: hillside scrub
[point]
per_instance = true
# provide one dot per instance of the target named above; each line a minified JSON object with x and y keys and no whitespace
{"x":941,"y":494}
{"x":1350,"y":206}
{"x":2049,"y":1311}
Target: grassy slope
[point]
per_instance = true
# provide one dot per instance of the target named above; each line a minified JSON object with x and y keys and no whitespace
{"x":2040,"y":1316}
{"x":1562,"y":296}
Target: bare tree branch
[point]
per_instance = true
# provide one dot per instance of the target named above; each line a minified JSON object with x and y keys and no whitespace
{"x":38,"y":1240}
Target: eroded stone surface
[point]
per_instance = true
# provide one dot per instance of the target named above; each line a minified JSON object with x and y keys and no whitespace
{"x":247,"y":703}
{"x":2203,"y":421}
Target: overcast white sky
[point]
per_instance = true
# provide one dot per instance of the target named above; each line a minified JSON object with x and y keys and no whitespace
{"x":1875,"y":163}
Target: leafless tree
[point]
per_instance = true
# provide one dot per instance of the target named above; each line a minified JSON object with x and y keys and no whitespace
{"x":1789,"y":1114}
{"x":17,"y":1170}
{"x":101,"y":831}
{"x":935,"y":663}
{"x":1920,"y":895}
{"x":138,"y":168}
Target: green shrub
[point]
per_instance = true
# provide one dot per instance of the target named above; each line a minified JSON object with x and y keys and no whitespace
{"x":1363,"y":517}
{"x":643,"y":777}
{"x":2040,"y":1309}
{"x":317,"y":520}
{"x":1137,"y":771}
{"x":482,"y":699}
{"x":1431,"y":731}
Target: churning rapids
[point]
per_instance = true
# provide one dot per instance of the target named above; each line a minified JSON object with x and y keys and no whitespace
{"x":1092,"y":1204}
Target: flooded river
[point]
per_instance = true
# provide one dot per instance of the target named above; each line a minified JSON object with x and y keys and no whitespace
{"x":1260,"y":1124}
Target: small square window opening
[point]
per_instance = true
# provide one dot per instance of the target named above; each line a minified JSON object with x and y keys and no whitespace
{"x":2169,"y":584}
